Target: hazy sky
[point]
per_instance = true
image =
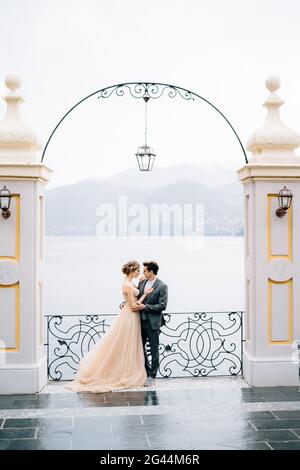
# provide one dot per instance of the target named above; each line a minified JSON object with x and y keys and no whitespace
{"x":64,"y":50}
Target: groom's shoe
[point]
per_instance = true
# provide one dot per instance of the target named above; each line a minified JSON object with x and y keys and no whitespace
{"x":149,"y":382}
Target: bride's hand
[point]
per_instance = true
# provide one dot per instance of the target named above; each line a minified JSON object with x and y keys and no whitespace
{"x":141,"y":277}
{"x":148,"y":291}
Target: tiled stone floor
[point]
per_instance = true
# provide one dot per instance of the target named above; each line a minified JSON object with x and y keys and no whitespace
{"x":186,"y":414}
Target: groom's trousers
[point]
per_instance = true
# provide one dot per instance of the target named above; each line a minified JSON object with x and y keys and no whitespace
{"x":152,"y":336}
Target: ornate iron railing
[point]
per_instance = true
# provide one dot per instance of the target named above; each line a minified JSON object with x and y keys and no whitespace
{"x":196,"y":344}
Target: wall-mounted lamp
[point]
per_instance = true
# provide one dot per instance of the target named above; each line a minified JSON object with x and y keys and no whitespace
{"x":5,"y":197}
{"x":285,"y":197}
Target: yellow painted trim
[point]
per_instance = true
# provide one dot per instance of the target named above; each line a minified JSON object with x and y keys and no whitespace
{"x":290,"y":338}
{"x":289,"y":255}
{"x":41,"y":226}
{"x":17,"y":313}
{"x":15,"y":258}
{"x":248,"y":310}
{"x":247,"y":222}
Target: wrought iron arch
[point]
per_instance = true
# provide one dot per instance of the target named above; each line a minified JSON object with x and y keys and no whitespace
{"x":152,"y":90}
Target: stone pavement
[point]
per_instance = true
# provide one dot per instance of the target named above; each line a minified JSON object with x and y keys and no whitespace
{"x":192,"y":414}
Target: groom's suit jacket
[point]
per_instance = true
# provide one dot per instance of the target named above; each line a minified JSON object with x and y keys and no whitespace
{"x":154,"y":303}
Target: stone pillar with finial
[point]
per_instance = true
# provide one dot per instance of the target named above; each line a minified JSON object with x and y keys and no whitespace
{"x":23,"y":363}
{"x":272,"y":251}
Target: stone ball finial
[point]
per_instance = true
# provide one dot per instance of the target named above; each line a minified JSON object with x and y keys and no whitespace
{"x":12,"y":82}
{"x":15,"y":135}
{"x":273,"y":142}
{"x":273,"y":83}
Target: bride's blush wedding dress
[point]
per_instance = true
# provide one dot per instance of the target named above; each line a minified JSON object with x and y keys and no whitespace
{"x":117,"y":361}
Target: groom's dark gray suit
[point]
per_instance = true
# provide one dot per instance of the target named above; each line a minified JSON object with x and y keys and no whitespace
{"x":152,"y":320}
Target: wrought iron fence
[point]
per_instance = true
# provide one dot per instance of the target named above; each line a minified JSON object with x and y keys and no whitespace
{"x":196,"y":344}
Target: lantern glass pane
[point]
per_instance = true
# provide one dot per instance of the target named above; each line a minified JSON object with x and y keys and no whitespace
{"x":152,"y":162}
{"x":146,"y":159}
{"x":4,"y":204}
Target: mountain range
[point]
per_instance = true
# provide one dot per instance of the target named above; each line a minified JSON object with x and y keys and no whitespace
{"x":71,"y":210}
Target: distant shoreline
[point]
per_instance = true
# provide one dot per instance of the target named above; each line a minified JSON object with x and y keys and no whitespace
{"x":91,"y":237}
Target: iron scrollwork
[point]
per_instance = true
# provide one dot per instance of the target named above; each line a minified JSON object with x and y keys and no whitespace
{"x":203,"y":344}
{"x":69,"y":341}
{"x":149,"y":90}
{"x":194,"y":344}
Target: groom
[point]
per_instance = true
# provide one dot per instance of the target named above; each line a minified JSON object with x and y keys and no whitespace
{"x":151,"y":315}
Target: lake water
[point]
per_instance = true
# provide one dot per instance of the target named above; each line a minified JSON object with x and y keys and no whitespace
{"x":83,"y":274}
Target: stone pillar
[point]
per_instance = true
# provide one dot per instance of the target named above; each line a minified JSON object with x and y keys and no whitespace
{"x":23,"y":364}
{"x":272,"y":251}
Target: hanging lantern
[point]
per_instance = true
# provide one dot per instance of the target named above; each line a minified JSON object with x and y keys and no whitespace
{"x":145,"y":155}
{"x":145,"y":158}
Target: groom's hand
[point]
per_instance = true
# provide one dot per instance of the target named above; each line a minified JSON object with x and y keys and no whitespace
{"x":138,"y":307}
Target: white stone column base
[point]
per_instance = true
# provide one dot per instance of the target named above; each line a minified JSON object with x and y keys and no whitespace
{"x":270,"y":372}
{"x":23,"y":378}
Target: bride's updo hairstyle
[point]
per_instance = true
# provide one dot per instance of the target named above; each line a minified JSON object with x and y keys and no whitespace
{"x":130,"y":267}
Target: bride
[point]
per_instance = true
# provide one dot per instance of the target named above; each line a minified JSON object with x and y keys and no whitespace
{"x":117,"y":361}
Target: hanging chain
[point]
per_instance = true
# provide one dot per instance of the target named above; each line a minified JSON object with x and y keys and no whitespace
{"x":146,"y":99}
{"x":146,"y":123}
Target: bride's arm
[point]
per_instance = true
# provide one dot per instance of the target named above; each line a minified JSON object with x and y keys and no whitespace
{"x":130,"y":296}
{"x":147,"y":292}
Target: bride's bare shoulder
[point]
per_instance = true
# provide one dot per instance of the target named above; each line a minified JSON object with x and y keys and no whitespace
{"x":126,"y":287}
